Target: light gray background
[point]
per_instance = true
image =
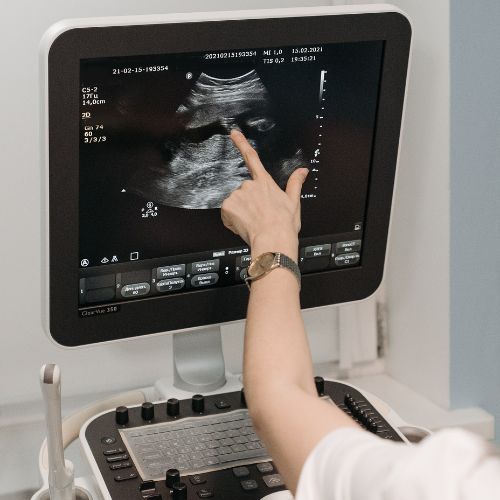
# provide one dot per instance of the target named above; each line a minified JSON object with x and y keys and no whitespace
{"x":475,"y":205}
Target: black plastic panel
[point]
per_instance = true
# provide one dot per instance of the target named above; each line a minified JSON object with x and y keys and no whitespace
{"x":211,"y":306}
{"x":223,"y":483}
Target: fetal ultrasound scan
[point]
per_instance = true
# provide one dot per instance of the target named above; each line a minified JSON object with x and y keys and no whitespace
{"x":156,"y":160}
{"x":201,"y":166}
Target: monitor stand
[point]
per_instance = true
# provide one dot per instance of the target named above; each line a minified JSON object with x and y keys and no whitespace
{"x":198,"y":365}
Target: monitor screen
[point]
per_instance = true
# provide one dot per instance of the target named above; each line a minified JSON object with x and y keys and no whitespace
{"x":137,"y":117}
{"x":156,"y":160}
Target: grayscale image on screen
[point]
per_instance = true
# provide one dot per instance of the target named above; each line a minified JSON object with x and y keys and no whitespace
{"x":157,"y":161}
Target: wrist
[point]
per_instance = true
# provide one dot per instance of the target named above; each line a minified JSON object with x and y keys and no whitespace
{"x":284,"y":242}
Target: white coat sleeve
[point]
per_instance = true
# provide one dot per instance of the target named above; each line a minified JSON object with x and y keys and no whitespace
{"x":352,"y":464}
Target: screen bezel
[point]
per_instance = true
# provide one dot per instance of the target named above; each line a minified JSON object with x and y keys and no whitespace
{"x":216,"y":305}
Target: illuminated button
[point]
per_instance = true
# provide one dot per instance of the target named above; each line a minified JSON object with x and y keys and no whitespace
{"x":206,"y":266}
{"x":171,"y":271}
{"x":135,"y":290}
{"x":348,"y":246}
{"x":204,"y":280}
{"x":347,"y":259}
{"x":317,"y":251}
{"x":170,"y":285}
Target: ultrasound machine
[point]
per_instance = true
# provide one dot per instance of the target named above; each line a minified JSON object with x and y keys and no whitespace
{"x":136,"y":119}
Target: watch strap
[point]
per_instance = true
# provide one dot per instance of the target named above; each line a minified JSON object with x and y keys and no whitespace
{"x":280,"y":260}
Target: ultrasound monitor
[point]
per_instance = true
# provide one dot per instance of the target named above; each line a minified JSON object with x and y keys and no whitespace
{"x":139,"y":160}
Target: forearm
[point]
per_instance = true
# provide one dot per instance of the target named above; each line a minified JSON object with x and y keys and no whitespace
{"x":276,"y":346}
{"x":278,"y":376}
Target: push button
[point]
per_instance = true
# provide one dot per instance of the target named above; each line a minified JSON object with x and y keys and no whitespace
{"x":147,"y":486}
{"x":222,"y":404}
{"x":197,"y":479}
{"x":348,"y":246}
{"x":114,"y":451}
{"x":206,"y":266}
{"x":122,"y":465}
{"x":318,"y":251}
{"x":135,"y":290}
{"x":273,"y":480}
{"x":204,"y":280}
{"x":171,"y":271}
{"x":126,"y":477}
{"x":249,"y":484}
{"x":117,"y":458}
{"x":265,"y":467}
{"x":170,"y":285}
{"x":347,"y":259}
{"x":241,"y":472}
{"x":205,"y":493}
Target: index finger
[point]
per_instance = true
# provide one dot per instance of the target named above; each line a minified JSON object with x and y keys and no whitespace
{"x":249,"y":154}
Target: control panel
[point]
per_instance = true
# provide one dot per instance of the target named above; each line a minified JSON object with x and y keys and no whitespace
{"x":203,"y":447}
{"x":153,"y":277}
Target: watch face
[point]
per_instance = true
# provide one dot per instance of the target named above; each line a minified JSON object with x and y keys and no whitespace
{"x":262,"y":265}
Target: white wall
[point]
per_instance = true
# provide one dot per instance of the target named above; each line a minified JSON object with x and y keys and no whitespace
{"x":417,"y":278}
{"x":24,"y":346}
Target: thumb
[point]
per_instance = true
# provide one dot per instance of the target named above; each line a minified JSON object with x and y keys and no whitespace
{"x":294,"y":184}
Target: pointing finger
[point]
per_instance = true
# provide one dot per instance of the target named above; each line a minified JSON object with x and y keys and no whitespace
{"x":249,"y":154}
{"x":295,"y":182}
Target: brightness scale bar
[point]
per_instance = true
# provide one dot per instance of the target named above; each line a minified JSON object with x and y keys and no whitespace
{"x":322,"y":85}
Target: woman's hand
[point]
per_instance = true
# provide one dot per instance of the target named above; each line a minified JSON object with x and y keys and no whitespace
{"x":266,"y":217}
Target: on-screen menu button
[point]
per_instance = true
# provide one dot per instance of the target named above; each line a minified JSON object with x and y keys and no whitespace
{"x":135,"y":290}
{"x":171,"y":271}
{"x":206,"y":266}
{"x":170,"y":285}
{"x":204,"y":280}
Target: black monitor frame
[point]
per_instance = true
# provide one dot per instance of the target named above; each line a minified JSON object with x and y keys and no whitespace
{"x":217,"y":305}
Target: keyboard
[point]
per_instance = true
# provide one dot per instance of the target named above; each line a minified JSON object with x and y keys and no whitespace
{"x":194,"y":445}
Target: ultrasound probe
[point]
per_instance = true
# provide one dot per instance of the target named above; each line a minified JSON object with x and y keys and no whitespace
{"x":61,"y":475}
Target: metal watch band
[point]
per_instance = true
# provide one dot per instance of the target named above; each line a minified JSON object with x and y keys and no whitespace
{"x":280,"y":260}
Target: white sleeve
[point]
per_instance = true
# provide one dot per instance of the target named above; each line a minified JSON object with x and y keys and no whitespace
{"x":351,"y":464}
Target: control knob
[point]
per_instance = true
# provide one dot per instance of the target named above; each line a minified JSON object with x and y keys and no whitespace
{"x":173,"y":407}
{"x":198,"y":403}
{"x":179,"y":491}
{"x":172,"y":477}
{"x":148,"y":411}
{"x":121,"y":415}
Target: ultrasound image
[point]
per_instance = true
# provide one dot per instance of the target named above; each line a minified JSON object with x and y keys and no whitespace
{"x":201,"y":166}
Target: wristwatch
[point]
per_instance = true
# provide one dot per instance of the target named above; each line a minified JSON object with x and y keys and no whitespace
{"x":268,"y":261}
